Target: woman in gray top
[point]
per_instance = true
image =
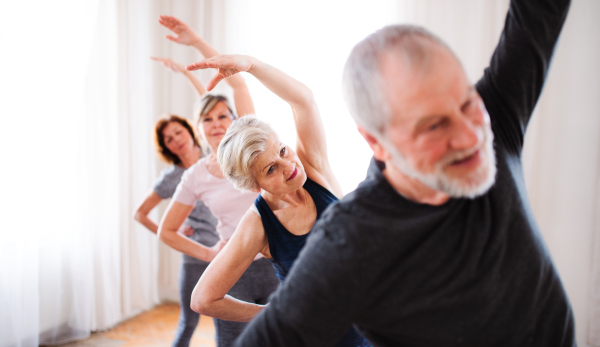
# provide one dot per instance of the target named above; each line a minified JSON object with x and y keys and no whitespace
{"x":176,"y":144}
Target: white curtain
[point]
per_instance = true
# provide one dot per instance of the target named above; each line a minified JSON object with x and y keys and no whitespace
{"x":563,"y":165}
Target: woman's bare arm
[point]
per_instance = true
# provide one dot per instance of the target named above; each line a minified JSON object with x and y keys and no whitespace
{"x":171,"y":222}
{"x":141,"y":214}
{"x":176,"y":67}
{"x":311,"y":144}
{"x":210,"y":294}
{"x":187,"y":36}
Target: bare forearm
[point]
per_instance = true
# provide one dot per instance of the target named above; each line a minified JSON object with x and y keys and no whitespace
{"x":287,"y":88}
{"x":208,"y":51}
{"x":185,"y":245}
{"x":147,"y":222}
{"x":194,"y":82}
{"x":227,"y":308}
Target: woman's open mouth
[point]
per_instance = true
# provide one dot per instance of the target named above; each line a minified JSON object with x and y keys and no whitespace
{"x":293,"y":174}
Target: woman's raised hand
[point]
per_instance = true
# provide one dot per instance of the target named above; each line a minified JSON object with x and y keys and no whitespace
{"x":226,"y":65}
{"x":170,"y":64}
{"x":183,"y":33}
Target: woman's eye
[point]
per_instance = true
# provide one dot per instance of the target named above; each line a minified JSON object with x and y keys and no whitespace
{"x":271,"y":170}
{"x":206,"y":120}
{"x":222,"y":116}
{"x":282,"y":152}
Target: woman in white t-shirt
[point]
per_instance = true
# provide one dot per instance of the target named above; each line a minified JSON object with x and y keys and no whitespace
{"x":204,"y":181}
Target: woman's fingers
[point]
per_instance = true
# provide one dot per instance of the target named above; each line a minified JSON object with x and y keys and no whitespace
{"x":168,"y":21}
{"x":214,"y":81}
{"x":214,"y":62}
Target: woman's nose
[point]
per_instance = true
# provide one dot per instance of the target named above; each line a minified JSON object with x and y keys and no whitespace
{"x":289,"y":167}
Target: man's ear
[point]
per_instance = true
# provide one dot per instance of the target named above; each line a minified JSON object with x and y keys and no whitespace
{"x":379,"y":151}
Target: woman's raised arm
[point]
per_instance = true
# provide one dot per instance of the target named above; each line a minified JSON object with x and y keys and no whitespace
{"x":176,"y":67}
{"x":187,"y":36}
{"x":311,"y":144}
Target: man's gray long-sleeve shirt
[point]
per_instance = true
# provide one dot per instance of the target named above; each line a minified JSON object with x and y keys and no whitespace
{"x":472,"y":272}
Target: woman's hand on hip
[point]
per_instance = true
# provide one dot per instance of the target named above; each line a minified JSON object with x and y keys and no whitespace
{"x":214,"y":250}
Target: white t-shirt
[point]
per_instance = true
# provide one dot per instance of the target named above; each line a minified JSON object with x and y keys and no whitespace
{"x":218,"y":194}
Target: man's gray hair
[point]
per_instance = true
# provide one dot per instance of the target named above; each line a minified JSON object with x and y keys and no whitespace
{"x":362,"y":82}
{"x":245,"y":139}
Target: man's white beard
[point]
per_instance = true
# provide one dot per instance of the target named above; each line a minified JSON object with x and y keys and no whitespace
{"x":475,"y":184}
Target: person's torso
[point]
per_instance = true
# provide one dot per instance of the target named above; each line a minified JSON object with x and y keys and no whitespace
{"x":225,"y":202}
{"x":283,"y":245}
{"x":470,"y":272}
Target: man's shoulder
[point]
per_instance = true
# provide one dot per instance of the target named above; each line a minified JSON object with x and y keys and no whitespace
{"x":358,"y":208}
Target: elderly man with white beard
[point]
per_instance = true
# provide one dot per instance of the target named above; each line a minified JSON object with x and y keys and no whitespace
{"x":438,"y":246}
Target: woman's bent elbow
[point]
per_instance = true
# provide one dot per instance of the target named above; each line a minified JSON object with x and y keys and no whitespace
{"x":161,"y":234}
{"x":200,"y":306}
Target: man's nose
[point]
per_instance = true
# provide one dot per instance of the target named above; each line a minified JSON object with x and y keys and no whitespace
{"x":466,"y":133}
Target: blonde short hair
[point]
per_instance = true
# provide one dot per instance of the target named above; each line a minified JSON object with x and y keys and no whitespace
{"x":201,"y":109}
{"x":245,"y":139}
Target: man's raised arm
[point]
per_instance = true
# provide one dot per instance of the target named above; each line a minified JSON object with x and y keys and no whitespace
{"x":512,"y":84}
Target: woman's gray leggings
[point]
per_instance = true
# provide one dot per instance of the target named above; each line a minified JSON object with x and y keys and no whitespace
{"x":255,"y":285}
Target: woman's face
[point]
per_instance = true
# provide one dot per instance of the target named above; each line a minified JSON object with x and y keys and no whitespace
{"x":215,"y":123}
{"x":177,"y":139}
{"x":278,"y":170}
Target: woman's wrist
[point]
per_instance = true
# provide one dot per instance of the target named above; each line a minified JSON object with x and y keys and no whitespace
{"x":255,"y":65}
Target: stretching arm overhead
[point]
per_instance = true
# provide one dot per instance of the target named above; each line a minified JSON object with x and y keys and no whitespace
{"x":187,"y":36}
{"x":512,"y":84}
{"x":311,"y":144}
{"x":176,"y":67}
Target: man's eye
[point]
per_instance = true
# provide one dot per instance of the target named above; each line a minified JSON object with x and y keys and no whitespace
{"x":434,"y":126}
{"x":469,"y":106}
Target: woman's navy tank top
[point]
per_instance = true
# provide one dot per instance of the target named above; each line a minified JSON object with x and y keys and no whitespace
{"x":285,"y":246}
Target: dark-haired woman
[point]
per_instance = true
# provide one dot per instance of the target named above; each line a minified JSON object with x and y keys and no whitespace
{"x":177,"y":145}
